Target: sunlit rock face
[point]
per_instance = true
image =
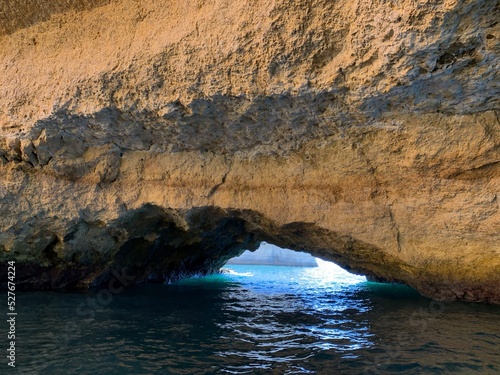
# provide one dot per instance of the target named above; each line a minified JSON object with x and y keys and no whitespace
{"x":270,"y":255}
{"x":163,"y":139}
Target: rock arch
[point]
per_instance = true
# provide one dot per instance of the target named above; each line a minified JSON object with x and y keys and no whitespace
{"x":365,"y":133}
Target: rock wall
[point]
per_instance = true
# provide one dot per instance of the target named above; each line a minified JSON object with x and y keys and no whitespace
{"x":269,"y":255}
{"x":164,"y":138}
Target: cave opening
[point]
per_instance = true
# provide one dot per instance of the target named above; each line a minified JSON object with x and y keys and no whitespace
{"x":176,"y":245}
{"x":269,"y":255}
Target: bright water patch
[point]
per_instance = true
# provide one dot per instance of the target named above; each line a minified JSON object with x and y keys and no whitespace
{"x":256,"y":320}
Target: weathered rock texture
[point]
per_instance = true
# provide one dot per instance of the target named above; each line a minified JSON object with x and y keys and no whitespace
{"x":164,"y":137}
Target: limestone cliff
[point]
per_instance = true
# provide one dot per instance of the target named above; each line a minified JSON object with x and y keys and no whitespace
{"x":270,"y":255}
{"x":162,"y":138}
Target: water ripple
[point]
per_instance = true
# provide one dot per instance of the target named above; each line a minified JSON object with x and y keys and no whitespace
{"x":256,"y":321}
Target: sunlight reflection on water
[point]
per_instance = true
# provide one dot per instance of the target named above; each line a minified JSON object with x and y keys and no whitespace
{"x":258,"y":320}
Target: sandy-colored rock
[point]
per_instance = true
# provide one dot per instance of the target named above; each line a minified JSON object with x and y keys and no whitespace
{"x":162,"y":138}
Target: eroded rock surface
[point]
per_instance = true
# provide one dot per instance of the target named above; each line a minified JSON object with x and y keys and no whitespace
{"x":165,"y":138}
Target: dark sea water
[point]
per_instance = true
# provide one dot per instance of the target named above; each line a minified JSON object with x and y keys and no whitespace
{"x":255,"y":320}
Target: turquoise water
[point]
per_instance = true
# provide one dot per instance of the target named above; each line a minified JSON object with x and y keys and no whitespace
{"x":255,"y":320}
